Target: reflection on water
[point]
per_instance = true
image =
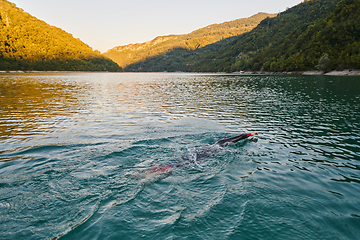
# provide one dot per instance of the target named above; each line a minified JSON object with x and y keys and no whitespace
{"x":30,"y":102}
{"x":69,"y":141}
{"x":36,"y":104}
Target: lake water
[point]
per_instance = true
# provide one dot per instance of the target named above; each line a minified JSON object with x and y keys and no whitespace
{"x":71,"y":144}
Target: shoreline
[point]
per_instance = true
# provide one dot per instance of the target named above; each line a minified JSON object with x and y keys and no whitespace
{"x":347,"y":72}
{"x":31,"y":71}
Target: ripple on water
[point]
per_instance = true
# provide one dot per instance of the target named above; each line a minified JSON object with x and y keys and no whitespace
{"x":71,"y":142}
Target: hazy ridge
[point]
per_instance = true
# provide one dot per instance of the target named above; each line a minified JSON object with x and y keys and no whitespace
{"x":133,"y":53}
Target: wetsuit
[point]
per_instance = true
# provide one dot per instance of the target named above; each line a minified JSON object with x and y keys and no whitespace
{"x":197,"y":156}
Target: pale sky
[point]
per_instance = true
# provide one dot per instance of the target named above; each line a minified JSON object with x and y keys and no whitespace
{"x":108,"y":23}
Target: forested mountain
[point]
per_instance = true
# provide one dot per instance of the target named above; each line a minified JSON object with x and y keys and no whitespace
{"x":177,"y":59}
{"x":317,"y":34}
{"x":27,"y":43}
{"x":182,"y":45}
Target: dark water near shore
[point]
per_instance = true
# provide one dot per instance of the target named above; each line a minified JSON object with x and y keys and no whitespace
{"x":71,"y":142}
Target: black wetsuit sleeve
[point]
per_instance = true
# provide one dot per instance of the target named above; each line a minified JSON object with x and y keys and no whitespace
{"x":233,"y":139}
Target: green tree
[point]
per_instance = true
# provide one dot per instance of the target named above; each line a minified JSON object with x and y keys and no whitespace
{"x":324,"y":62}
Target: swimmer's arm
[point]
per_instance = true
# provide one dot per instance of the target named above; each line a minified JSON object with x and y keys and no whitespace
{"x":246,"y":135}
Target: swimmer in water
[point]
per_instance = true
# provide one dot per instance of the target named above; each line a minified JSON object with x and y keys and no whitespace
{"x":195,"y":157}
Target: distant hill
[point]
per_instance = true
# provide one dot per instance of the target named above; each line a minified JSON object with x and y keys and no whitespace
{"x":27,"y":43}
{"x":141,"y":52}
{"x":317,"y":34}
{"x":177,"y":59}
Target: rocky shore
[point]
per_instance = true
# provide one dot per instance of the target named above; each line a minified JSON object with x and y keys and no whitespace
{"x":348,"y":72}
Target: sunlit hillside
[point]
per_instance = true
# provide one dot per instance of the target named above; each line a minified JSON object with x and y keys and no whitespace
{"x":27,"y":43}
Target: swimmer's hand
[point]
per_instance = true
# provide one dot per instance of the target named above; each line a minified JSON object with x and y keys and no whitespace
{"x":254,"y":133}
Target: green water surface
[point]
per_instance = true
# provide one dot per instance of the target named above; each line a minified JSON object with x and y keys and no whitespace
{"x":70,"y":144}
